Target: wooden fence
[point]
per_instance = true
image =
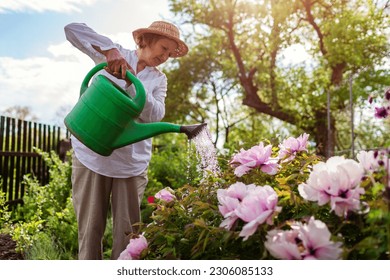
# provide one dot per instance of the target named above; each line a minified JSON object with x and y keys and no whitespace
{"x":18,"y":139}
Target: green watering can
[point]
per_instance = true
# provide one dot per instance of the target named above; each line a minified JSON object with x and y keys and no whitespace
{"x":104,"y":118}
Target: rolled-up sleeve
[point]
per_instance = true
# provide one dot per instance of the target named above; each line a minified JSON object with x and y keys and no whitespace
{"x":154,"y":109}
{"x":83,"y":37}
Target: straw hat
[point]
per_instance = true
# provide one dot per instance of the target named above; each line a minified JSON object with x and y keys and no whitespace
{"x":168,"y":30}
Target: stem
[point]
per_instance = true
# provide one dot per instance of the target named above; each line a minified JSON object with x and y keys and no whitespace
{"x":338,"y":228}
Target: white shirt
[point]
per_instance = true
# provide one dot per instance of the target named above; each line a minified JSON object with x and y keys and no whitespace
{"x":133,"y":159}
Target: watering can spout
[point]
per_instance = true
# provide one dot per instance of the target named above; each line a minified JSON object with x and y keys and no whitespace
{"x":192,"y":130}
{"x":136,"y":132}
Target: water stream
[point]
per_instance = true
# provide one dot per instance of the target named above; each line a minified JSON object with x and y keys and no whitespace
{"x":206,"y":154}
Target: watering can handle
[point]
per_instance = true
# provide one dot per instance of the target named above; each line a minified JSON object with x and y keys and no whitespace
{"x":140,"y":95}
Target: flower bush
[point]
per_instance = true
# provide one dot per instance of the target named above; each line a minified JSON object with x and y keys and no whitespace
{"x":277,"y":202}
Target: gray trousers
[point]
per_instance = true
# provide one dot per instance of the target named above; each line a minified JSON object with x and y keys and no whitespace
{"x":92,"y":194}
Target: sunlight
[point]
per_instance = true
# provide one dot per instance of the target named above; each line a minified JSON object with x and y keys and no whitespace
{"x":295,"y":54}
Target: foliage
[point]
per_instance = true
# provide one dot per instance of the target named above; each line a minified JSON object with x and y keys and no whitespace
{"x":280,"y":59}
{"x":43,"y":248}
{"x":5,"y":215}
{"x":46,"y":219}
{"x":180,"y":161}
{"x":189,"y":227}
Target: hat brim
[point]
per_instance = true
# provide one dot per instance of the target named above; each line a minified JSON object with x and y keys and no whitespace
{"x":182,"y":48}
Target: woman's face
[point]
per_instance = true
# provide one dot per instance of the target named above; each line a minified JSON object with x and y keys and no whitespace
{"x":158,"y":53}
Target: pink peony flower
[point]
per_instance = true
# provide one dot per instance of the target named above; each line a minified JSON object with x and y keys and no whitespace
{"x":336,"y":182}
{"x":382,"y":112}
{"x":368,"y":161}
{"x":309,"y":241}
{"x":290,"y":147}
{"x":376,"y":161}
{"x":283,"y":244}
{"x":227,"y":207}
{"x":250,"y":203}
{"x":387,"y":95}
{"x":134,"y":249}
{"x":315,"y":238}
{"x":258,"y":207}
{"x":256,"y":157}
{"x":230,"y":199}
{"x":165,"y":195}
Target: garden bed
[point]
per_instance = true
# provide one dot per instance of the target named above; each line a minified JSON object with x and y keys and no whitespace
{"x":7,"y":248}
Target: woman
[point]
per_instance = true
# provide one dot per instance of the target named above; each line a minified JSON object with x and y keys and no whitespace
{"x":120,"y":178}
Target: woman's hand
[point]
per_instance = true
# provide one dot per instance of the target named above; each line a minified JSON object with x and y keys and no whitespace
{"x":116,"y":64}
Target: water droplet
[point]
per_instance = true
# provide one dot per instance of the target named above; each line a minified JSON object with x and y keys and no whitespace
{"x":207,"y":154}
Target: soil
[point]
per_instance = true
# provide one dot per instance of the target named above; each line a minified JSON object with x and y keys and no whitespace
{"x":7,"y":248}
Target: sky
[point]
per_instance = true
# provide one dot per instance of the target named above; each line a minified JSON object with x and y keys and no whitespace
{"x":39,"y":68}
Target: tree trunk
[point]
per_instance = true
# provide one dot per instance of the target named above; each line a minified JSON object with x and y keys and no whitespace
{"x":323,"y":134}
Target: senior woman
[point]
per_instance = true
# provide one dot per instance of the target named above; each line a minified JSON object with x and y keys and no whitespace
{"x":120,"y":179}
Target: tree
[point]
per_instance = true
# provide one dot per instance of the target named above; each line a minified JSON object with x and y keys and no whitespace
{"x":200,"y":91}
{"x":20,"y":112}
{"x":249,"y":38}
{"x":203,"y":94}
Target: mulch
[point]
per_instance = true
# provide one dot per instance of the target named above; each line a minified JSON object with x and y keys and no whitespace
{"x":7,"y":248}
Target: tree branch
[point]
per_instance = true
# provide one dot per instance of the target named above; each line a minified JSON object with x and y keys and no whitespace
{"x":308,"y":5}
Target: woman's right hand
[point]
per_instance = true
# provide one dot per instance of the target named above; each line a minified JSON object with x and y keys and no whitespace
{"x":116,"y":64}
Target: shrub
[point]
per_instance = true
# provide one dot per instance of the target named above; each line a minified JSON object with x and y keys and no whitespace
{"x":5,"y":215}
{"x":309,"y":207}
{"x":46,"y":220}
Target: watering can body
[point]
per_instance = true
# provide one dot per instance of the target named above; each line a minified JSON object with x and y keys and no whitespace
{"x":105,"y":116}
